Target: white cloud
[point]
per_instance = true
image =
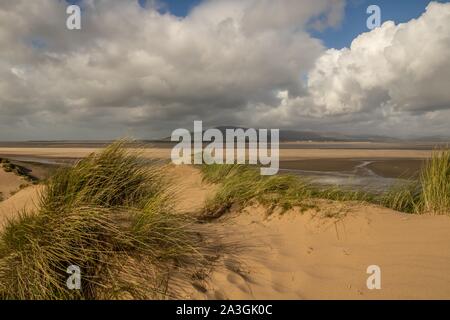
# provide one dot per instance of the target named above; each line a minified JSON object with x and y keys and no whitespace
{"x":141,"y":72}
{"x":140,"y":68}
{"x":393,"y":80}
{"x":397,"y":68}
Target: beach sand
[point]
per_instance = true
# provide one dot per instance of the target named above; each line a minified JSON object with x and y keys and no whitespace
{"x":308,"y":256}
{"x":325,"y":254}
{"x":9,"y":183}
{"x":26,"y":199}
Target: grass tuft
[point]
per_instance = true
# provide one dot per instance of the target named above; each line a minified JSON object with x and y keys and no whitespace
{"x":405,"y":197}
{"x":240,"y":184}
{"x":435,"y":182}
{"x":430,"y":194}
{"x":109,"y":216}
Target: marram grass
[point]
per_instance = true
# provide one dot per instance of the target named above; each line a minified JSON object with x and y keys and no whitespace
{"x":109,"y":216}
{"x":430,"y":194}
{"x":405,"y":197}
{"x":240,"y":184}
{"x":435,"y":182}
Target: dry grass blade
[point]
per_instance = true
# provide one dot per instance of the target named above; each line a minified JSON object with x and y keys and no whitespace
{"x":109,"y":216}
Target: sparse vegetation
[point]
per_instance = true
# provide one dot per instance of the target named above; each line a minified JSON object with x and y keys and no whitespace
{"x":8,"y":166}
{"x":435,"y":183}
{"x":240,"y":184}
{"x":430,"y":194}
{"x":109,"y":216}
{"x":403,"y":197}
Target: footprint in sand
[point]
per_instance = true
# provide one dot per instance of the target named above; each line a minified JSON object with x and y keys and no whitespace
{"x":278,"y":287}
{"x":199,"y":287}
{"x":239,"y":282}
{"x":217,"y":295}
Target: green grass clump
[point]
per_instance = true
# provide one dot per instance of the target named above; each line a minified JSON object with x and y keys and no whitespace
{"x":114,"y":177}
{"x":240,"y":184}
{"x":430,"y":194}
{"x":109,"y":216}
{"x":435,"y":182}
{"x":404,"y":197}
{"x":340,"y":194}
{"x":217,"y":173}
{"x":237,"y":186}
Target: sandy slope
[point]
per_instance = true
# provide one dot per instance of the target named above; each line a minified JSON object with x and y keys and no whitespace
{"x":9,"y":182}
{"x":25,"y":199}
{"x":188,"y":189}
{"x":325,"y":255}
{"x":307,"y":256}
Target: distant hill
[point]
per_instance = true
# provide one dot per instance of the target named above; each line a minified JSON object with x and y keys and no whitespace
{"x":294,"y":135}
{"x":434,"y":138}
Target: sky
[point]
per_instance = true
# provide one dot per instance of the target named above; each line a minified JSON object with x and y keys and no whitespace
{"x":144,"y":68}
{"x":353,"y":24}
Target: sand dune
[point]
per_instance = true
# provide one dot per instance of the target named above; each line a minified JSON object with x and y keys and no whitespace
{"x":308,"y":256}
{"x":9,"y":182}
{"x":312,"y":255}
{"x":25,"y":199}
{"x":188,"y":190}
{"x":325,"y":255}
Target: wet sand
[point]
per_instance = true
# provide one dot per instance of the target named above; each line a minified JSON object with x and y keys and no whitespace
{"x":390,"y":168}
{"x":333,"y":165}
{"x":401,"y":168}
{"x":285,"y":154}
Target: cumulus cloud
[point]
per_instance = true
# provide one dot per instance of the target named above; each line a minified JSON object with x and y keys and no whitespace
{"x":390,"y":76}
{"x":401,"y":67}
{"x":139,"y":69}
{"x":141,"y":72}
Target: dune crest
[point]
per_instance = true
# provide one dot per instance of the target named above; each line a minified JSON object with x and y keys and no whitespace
{"x":313,"y":256}
{"x":26,"y":199}
{"x":9,"y":183}
{"x":324,"y":253}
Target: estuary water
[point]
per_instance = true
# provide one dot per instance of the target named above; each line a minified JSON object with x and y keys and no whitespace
{"x":360,"y":178}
